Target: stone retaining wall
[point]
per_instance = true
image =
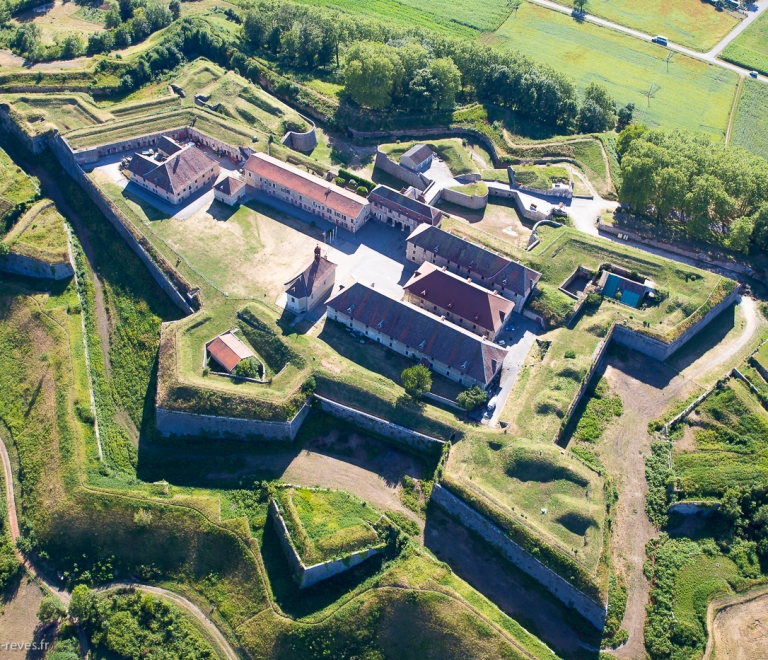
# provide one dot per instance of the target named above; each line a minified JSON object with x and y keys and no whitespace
{"x":88,"y":155}
{"x":306,"y":576}
{"x":467,"y":201}
{"x":558,"y":586}
{"x":384,"y":162}
{"x":68,"y":161}
{"x":301,"y":141}
{"x":36,"y":144}
{"x":173,"y":423}
{"x":21,"y":265}
{"x":511,"y":193}
{"x":413,"y":439}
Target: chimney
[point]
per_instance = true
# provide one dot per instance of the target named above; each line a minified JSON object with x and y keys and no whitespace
{"x":317,"y":253}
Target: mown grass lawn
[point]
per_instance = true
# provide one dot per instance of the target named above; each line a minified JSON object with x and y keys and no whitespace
{"x":750,"y":128}
{"x":449,"y":150}
{"x":691,"y":23}
{"x":693,"y":95}
{"x":750,"y":48}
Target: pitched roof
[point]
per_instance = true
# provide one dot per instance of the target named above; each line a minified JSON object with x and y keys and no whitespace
{"x":459,"y":297}
{"x":302,"y":285}
{"x":228,"y":350}
{"x":174,"y":174}
{"x":460,"y":350}
{"x":418,"y":153}
{"x":312,"y":187}
{"x":168,"y":146}
{"x":405,"y":204}
{"x":492,"y":268}
{"x":230,"y":185}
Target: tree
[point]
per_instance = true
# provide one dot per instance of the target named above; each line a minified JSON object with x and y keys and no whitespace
{"x":5,"y":12}
{"x":247,"y":368}
{"x":4,"y":249}
{"x":158,"y":16}
{"x":51,"y":609}
{"x":598,"y":113}
{"x":82,"y":606}
{"x":416,"y":380}
{"x":579,"y":5}
{"x":471,"y":398}
{"x":126,"y":9}
{"x":760,"y":232}
{"x":27,"y":39}
{"x":625,"y":116}
{"x":740,"y":234}
{"x":72,"y":47}
{"x":628,"y":135}
{"x":447,"y":82}
{"x":513,"y":6}
{"x":254,"y":28}
{"x":175,"y":9}
{"x":372,"y":72}
{"x":112,"y":19}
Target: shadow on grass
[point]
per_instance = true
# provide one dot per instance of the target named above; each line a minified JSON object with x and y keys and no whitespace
{"x":302,"y":602}
{"x":705,"y":340}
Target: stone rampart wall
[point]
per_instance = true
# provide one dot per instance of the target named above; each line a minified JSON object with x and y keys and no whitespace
{"x":511,"y":193}
{"x":306,"y":576}
{"x":67,"y":159}
{"x":467,"y":201}
{"x":36,"y":144}
{"x":21,"y":265}
{"x":384,"y":162}
{"x":88,"y":155}
{"x":558,"y":586}
{"x":413,"y":439}
{"x":174,"y":423}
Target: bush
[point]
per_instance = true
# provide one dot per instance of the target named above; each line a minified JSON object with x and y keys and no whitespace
{"x":51,"y":610}
{"x":362,"y":190}
{"x":471,"y":398}
{"x":570,"y":355}
{"x":339,"y":181}
{"x":347,"y":175}
{"x":247,"y":368}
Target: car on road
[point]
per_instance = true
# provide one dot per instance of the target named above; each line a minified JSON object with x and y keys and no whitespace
{"x":509,"y":327}
{"x":753,"y":74}
{"x":658,"y":39}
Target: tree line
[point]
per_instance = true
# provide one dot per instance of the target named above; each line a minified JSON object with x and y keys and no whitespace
{"x":128,"y":22}
{"x":717,"y":193}
{"x":389,"y":67}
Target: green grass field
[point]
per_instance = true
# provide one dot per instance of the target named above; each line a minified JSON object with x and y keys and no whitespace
{"x":41,"y":237}
{"x":325,"y":525}
{"x":691,"y":23}
{"x":15,"y":186}
{"x":731,"y":449}
{"x":449,"y":150}
{"x":750,"y":48}
{"x":693,"y":95}
{"x":750,"y":127}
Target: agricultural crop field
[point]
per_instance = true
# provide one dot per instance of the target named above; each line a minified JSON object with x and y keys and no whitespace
{"x":750,"y":126}
{"x":698,"y":25}
{"x":628,"y":67}
{"x":750,"y":48}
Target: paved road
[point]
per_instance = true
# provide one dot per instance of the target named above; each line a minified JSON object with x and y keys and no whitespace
{"x":709,"y":57}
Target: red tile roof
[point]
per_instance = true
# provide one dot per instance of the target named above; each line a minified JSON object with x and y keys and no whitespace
{"x":312,"y":187}
{"x":228,"y":350}
{"x":468,"y":301}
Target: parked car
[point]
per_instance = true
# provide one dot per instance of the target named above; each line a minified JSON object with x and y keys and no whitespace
{"x":492,"y":404}
{"x":501,"y":342}
{"x":509,"y":327}
{"x":658,"y":39}
{"x":753,"y":74}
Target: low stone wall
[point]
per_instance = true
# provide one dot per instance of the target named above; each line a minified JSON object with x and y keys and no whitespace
{"x":384,"y":162}
{"x":88,"y":155}
{"x":173,"y":423}
{"x":400,"y":434}
{"x":658,"y":349}
{"x":306,"y":576}
{"x":514,"y":194}
{"x":467,"y":201}
{"x":21,"y":265}
{"x":235,"y":153}
{"x":66,"y":157}
{"x":558,"y":586}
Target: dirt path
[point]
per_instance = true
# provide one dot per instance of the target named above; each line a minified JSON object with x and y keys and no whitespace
{"x":647,"y":392}
{"x":738,"y":627}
